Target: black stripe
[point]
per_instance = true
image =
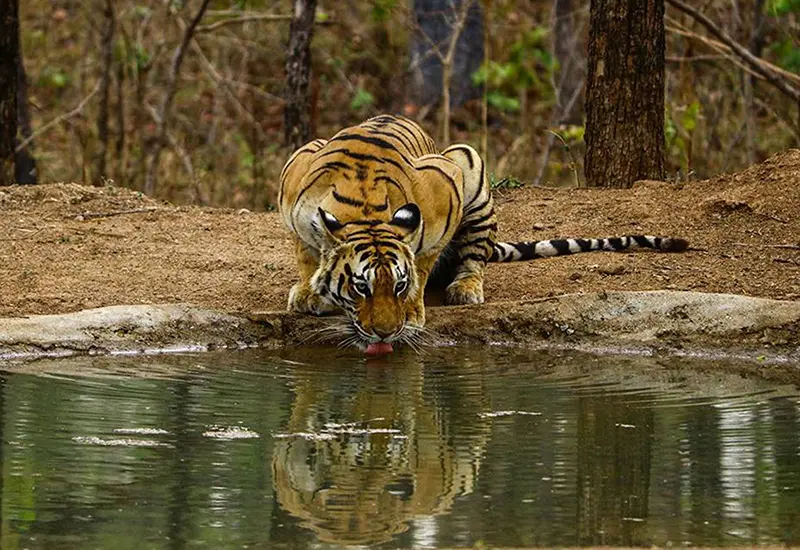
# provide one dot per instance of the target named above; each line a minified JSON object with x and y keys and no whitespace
{"x":399,"y":137}
{"x":615,"y":243}
{"x":474,"y":209}
{"x":297,"y":200}
{"x":526,"y":249}
{"x":561,"y":246}
{"x":347,"y":200}
{"x":372,"y":158}
{"x":474,"y":242}
{"x":473,"y":257}
{"x":450,"y":180}
{"x":642,"y":241}
{"x":378,"y":142}
{"x":477,"y":228}
{"x":584,"y":244}
{"x":393,"y":182}
{"x":414,"y":132}
{"x":363,"y":246}
{"x":462,"y":148}
{"x":340,"y":285}
{"x":477,"y":221}
{"x":380,"y":207}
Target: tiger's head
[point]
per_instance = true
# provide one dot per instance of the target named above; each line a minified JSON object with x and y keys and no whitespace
{"x":368,"y":271}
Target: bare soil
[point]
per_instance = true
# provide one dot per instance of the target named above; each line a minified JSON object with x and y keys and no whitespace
{"x":66,"y":247}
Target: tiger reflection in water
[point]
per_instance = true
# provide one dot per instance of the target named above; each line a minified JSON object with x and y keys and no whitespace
{"x":364,"y":489}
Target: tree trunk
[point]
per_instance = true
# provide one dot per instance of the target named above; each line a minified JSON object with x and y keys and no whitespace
{"x":435,"y":21}
{"x":24,"y":163}
{"x":297,"y":130}
{"x":9,"y":53}
{"x":625,"y":93}
{"x":107,"y":57}
{"x":568,"y":49}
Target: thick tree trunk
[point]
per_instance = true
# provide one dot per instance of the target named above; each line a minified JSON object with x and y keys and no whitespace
{"x":625,"y":93}
{"x":24,"y":163}
{"x":297,"y":129}
{"x":9,"y":53}
{"x":435,"y":25}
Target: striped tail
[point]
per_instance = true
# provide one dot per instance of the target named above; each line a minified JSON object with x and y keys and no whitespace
{"x":529,"y":250}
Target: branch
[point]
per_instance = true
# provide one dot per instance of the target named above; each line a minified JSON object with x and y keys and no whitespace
{"x":166,"y":103}
{"x":754,"y":62}
{"x":241,"y":20}
{"x":66,"y":116}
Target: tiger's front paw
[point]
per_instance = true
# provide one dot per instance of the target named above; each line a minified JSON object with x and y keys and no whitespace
{"x":468,"y":290}
{"x":304,"y":300}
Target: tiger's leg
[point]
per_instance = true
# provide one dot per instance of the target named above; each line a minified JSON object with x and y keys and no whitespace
{"x":474,"y":240}
{"x":302,"y":297}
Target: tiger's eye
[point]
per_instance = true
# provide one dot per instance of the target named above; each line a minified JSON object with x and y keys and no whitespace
{"x":362,"y":288}
{"x":400,"y":287}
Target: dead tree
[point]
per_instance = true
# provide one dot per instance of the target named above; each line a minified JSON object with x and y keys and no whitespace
{"x":296,"y":124}
{"x":625,"y":93}
{"x":9,"y":53}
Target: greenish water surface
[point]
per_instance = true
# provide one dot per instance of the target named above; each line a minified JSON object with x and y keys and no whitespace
{"x":454,"y":448}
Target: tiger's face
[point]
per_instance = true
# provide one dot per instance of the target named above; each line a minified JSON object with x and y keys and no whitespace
{"x":369,"y":272}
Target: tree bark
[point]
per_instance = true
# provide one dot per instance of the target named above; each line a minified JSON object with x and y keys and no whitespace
{"x":107,"y":57}
{"x":625,"y":93}
{"x":24,"y":163}
{"x":9,"y":53}
{"x":296,"y":125}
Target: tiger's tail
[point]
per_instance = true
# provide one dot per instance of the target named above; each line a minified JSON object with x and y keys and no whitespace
{"x":529,"y":250}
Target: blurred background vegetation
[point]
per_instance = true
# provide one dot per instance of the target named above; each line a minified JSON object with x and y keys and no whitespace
{"x":225,"y":139}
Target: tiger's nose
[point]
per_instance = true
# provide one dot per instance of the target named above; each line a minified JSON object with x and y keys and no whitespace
{"x":383,"y":332}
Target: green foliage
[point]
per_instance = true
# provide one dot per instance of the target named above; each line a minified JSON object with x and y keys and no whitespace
{"x":382,"y":10}
{"x":782,"y":7}
{"x":508,"y":182}
{"x":787,"y":54}
{"x":362,"y":100}
{"x":679,"y":126}
{"x":53,"y":77}
{"x":529,"y":66}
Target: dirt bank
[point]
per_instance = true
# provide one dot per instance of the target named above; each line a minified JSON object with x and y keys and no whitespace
{"x":67,"y":248}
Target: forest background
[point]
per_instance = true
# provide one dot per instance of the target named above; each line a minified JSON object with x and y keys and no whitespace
{"x":106,"y":64}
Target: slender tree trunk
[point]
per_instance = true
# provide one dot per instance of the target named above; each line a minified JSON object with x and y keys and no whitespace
{"x":9,"y":52}
{"x":24,"y":163}
{"x":164,"y":112}
{"x":568,"y":49}
{"x":434,"y":40}
{"x":625,"y":93}
{"x":107,"y":57}
{"x":296,"y":124}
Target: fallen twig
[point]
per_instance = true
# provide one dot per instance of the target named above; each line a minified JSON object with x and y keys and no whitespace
{"x":95,"y":215}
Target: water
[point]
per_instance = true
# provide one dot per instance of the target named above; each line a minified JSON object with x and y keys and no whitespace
{"x":457,"y":448}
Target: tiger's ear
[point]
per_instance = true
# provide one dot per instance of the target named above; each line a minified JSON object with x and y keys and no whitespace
{"x":407,"y":217}
{"x":330,"y":224}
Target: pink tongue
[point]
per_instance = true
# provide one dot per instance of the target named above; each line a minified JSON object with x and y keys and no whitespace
{"x":381,"y":348}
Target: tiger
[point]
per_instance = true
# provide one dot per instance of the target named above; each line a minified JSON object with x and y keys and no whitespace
{"x":377,"y":214}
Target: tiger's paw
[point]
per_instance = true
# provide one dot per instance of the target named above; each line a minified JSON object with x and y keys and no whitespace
{"x":303,"y":300}
{"x":468,"y":290}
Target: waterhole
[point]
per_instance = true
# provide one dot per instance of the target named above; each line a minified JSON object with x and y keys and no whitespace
{"x":458,"y":447}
